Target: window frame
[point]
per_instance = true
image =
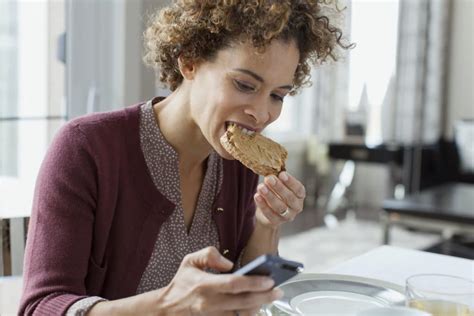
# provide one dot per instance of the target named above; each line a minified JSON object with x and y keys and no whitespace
{"x":39,"y":103}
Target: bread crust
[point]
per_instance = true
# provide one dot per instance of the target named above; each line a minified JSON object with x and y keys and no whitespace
{"x":257,"y":152}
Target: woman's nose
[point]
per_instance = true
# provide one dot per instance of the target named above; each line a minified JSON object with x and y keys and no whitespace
{"x":260,"y":113}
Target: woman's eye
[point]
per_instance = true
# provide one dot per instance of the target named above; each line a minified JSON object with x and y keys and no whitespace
{"x":276,"y":97}
{"x":243,"y":87}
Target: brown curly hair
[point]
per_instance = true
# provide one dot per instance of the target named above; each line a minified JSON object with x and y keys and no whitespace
{"x":197,"y":29}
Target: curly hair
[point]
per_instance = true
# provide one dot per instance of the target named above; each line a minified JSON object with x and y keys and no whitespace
{"x":198,"y":29}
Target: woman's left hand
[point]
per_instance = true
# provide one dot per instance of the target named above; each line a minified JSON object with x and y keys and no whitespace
{"x":279,"y":199}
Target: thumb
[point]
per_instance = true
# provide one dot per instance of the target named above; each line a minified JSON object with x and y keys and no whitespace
{"x":208,"y":258}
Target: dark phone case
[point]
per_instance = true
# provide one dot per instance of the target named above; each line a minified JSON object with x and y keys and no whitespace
{"x":277,"y":268}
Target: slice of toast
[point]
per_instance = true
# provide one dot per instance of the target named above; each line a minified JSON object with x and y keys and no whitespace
{"x":258,"y":153}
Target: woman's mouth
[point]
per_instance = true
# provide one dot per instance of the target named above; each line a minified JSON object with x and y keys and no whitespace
{"x":244,"y":128}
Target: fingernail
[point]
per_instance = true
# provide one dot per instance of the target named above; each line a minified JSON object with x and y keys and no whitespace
{"x":272,"y":180}
{"x":277,"y":294}
{"x":264,"y":189}
{"x":301,"y":194}
{"x":283,"y":176}
{"x":258,"y":198}
{"x":268,"y":283}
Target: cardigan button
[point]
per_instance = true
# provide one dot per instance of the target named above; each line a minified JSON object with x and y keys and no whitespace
{"x":225,"y":252}
{"x":220,"y":209}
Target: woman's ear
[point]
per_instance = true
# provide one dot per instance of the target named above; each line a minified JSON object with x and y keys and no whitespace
{"x":187,"y":68}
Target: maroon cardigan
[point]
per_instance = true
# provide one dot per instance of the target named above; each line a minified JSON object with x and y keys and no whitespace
{"x":96,"y":214}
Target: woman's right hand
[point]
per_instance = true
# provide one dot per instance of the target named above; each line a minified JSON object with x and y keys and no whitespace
{"x":196,"y":292}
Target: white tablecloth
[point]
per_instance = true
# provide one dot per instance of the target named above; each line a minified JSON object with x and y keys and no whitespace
{"x":395,"y":265}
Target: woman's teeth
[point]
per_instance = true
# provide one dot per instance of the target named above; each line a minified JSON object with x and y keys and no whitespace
{"x":246,"y":131}
{"x":243,"y":129}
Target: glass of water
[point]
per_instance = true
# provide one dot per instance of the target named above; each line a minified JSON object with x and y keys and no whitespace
{"x":440,"y":295}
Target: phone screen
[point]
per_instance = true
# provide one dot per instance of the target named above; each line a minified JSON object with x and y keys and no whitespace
{"x":279,"y":269}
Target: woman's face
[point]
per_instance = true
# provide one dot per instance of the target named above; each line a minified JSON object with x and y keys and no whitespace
{"x":243,"y":87}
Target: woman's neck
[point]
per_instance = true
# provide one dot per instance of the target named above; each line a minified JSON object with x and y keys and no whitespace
{"x":181,"y":132}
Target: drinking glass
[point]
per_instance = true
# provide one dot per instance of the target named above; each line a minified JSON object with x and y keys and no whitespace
{"x":440,"y":295}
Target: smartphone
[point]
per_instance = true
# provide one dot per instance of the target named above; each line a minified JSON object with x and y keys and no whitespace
{"x":279,"y":269}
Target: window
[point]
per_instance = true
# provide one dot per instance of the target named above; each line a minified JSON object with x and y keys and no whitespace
{"x":8,"y":86}
{"x":374,"y":29}
{"x":31,"y":94}
{"x":358,"y":90}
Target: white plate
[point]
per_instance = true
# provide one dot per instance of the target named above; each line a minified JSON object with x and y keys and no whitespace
{"x":393,"y":311}
{"x":333,"y":302}
{"x":332,"y":294}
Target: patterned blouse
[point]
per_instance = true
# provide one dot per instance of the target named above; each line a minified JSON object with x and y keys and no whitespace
{"x":174,"y":241}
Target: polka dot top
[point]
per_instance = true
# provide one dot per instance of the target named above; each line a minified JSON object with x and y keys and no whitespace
{"x":174,"y":241}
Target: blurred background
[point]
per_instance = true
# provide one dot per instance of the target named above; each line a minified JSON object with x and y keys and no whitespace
{"x":383,"y":140}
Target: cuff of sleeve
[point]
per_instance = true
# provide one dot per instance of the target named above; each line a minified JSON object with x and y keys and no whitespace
{"x":56,"y":304}
{"x":81,"y":307}
{"x":238,"y":264}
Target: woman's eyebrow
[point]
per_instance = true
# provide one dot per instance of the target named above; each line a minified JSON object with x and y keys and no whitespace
{"x":259,"y":78}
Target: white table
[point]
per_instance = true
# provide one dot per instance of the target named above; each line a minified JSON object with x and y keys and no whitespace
{"x":10,"y":294}
{"x":393,"y":264}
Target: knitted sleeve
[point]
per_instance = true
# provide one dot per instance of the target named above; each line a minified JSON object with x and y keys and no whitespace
{"x":60,"y":232}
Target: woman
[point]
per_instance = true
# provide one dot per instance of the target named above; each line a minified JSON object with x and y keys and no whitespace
{"x":137,"y":211}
